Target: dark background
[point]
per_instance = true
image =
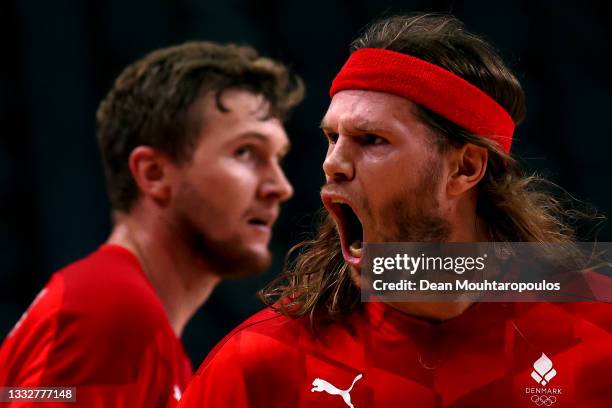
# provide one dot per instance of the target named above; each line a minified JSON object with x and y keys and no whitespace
{"x":60,"y":57}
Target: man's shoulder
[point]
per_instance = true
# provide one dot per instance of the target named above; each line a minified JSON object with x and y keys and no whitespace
{"x":597,"y":312}
{"x":96,"y":319}
{"x":106,"y":291}
{"x":267,"y":350}
{"x":266,"y":330}
{"x":263,"y":340}
{"x":600,"y":286}
{"x":102,"y":302}
{"x":592,"y":314}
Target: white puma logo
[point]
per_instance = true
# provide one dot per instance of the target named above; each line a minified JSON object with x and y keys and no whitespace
{"x":319,"y":385}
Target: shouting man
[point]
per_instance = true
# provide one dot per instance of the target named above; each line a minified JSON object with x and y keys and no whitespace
{"x":191,"y":139}
{"x":420,"y":127}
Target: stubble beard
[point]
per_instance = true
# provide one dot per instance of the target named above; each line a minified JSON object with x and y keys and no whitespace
{"x":414,"y":215}
{"x":227,"y":258}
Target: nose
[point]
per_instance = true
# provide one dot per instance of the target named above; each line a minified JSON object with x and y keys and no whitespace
{"x":276,"y":187}
{"x":338,"y":165}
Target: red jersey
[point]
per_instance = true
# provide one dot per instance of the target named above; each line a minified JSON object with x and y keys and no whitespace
{"x":493,"y":355}
{"x":99,"y":326}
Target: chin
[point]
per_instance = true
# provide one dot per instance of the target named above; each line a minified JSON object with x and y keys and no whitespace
{"x":232,"y":258}
{"x":253,"y":260}
{"x":262,"y":256}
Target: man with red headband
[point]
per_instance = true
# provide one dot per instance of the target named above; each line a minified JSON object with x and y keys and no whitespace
{"x":420,"y":127}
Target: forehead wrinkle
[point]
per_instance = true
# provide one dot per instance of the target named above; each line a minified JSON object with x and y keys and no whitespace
{"x":360,"y":124}
{"x":369,"y":115}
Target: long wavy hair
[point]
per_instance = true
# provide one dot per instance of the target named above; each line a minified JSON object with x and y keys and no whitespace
{"x":515,"y":206}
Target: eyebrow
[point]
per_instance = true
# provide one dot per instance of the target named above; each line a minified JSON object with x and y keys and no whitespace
{"x":265,"y":139}
{"x":361,"y":126}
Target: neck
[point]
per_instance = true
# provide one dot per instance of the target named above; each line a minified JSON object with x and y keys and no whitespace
{"x":466,"y":229}
{"x":182,"y":281}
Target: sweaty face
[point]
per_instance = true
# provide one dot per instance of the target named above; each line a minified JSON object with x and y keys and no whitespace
{"x":228,"y":195}
{"x":383,"y":175}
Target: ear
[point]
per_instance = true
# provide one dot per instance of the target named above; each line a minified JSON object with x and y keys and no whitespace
{"x":468,"y":167}
{"x":150,"y":169}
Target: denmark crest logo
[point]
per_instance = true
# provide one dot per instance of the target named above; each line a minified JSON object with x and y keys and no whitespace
{"x":543,"y":370}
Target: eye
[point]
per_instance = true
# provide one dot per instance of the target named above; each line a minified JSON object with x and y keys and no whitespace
{"x":370,"y":139}
{"x":332,"y":138}
{"x":280,"y":159}
{"x":244,"y":152}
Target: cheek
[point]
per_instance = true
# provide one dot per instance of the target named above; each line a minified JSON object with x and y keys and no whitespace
{"x":220,"y":194}
{"x":390,"y":185}
{"x":236,"y":187}
{"x":233,"y":183}
{"x":382,"y":180}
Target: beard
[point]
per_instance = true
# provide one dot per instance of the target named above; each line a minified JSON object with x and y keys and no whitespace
{"x":414,"y":215}
{"x":227,"y":258}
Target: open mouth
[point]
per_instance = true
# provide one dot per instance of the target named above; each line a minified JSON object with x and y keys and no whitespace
{"x":262,"y":222}
{"x":350,"y":230}
{"x":257,"y":221}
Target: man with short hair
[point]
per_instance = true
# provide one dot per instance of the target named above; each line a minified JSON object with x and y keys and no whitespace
{"x":420,"y":127}
{"x":191,"y":138}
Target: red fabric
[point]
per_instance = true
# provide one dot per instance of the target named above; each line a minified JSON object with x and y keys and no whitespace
{"x":428,"y":85}
{"x":482,"y":358}
{"x":98,"y":326}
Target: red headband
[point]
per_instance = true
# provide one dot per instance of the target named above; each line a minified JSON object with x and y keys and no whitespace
{"x":429,"y":85}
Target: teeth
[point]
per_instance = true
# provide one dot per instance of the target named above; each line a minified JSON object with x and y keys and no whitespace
{"x":337,"y":201}
{"x":355,"y":248}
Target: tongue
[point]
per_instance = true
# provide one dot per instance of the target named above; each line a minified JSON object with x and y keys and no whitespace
{"x":355,"y":248}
